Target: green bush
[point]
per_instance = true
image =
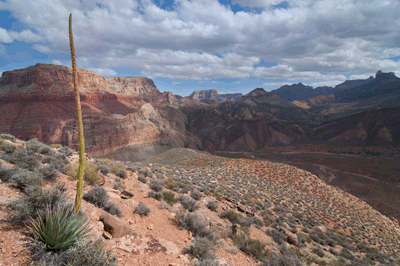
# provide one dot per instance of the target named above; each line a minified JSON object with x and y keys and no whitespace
{"x":90,"y":174}
{"x":188,"y":204}
{"x":84,"y":252}
{"x":24,"y":160}
{"x":284,"y":257}
{"x":250,"y":246}
{"x":112,"y":209}
{"x":48,"y":172}
{"x":231,"y":215}
{"x":34,"y":203}
{"x":34,"y":146}
{"x":7,"y":173}
{"x":142,"y":178}
{"x":60,"y":227}
{"x":121,"y":173}
{"x":23,"y":179}
{"x":196,"y":195}
{"x":119,"y":184}
{"x":202,"y":249}
{"x":57,"y":160}
{"x":169,"y":197}
{"x":156,"y":185}
{"x":97,"y":196}
{"x":212,"y":205}
{"x":142,"y":209}
{"x":194,"y":224}
{"x":155,"y":195}
{"x":66,"y":151}
{"x":7,"y":147}
{"x":8,"y":137}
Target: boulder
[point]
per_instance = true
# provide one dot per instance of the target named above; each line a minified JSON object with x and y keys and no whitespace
{"x":115,"y":226}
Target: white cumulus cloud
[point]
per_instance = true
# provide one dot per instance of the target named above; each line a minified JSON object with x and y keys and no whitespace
{"x":103,"y":71}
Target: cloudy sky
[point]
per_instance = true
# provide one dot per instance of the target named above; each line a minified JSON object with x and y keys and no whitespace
{"x":228,"y":45}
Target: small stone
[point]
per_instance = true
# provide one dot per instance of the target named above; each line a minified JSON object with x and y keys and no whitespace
{"x":150,"y":227}
{"x":107,"y":235}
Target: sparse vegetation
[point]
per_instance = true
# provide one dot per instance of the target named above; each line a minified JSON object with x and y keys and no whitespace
{"x":142,"y":209}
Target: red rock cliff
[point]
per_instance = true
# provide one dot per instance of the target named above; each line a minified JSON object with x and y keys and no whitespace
{"x":38,"y":102}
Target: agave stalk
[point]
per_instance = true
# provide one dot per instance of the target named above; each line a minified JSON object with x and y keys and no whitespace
{"x":79,"y":185}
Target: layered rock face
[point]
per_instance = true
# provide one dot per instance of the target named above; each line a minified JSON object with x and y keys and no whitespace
{"x":206,"y":95}
{"x":38,"y":102}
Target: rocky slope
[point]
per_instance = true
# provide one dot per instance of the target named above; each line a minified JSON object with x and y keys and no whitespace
{"x":235,"y":211}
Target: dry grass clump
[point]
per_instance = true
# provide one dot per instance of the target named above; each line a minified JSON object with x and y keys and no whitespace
{"x":90,"y":175}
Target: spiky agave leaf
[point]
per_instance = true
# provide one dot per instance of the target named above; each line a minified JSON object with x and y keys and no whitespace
{"x":60,"y":227}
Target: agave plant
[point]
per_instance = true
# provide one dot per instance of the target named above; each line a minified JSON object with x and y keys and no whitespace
{"x":60,"y":228}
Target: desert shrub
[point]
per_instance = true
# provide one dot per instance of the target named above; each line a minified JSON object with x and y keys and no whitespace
{"x":196,"y":195}
{"x":57,"y":160}
{"x":285,"y":257}
{"x":119,"y":184}
{"x":34,"y":146}
{"x":276,"y":235}
{"x":24,"y":160}
{"x":90,"y":174}
{"x":231,"y":215}
{"x":55,"y":146}
{"x":301,"y":241}
{"x":48,"y":172}
{"x":7,"y":147}
{"x":248,"y":245}
{"x":34,"y":203}
{"x":169,"y":197}
{"x":121,"y":173}
{"x":116,"y":167}
{"x":6,"y":174}
{"x":142,"y":209}
{"x":60,"y":227}
{"x":188,"y":203}
{"x":345,"y":253}
{"x":194,"y":224}
{"x":23,"y":179}
{"x":8,"y":137}
{"x":212,"y":205}
{"x":258,"y":222}
{"x":142,"y":171}
{"x":156,"y":185}
{"x":149,"y":173}
{"x":159,"y":176}
{"x":84,"y":252}
{"x":246,"y":221}
{"x":112,"y":209}
{"x":66,"y":151}
{"x":142,"y":178}
{"x":317,"y":250}
{"x":155,"y":195}
{"x":103,"y":168}
{"x":97,"y":196}
{"x":202,"y":249}
{"x":170,"y":183}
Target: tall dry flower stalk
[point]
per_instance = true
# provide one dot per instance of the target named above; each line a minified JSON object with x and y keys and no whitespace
{"x":79,"y":185}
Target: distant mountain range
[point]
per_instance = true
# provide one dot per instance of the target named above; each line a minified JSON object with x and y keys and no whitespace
{"x":128,"y":118}
{"x":301,"y":91}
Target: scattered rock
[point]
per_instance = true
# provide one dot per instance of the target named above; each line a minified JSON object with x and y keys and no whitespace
{"x":126,"y":194}
{"x":115,"y":226}
{"x":150,"y":227}
{"x":171,"y":248}
{"x":107,"y":235}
